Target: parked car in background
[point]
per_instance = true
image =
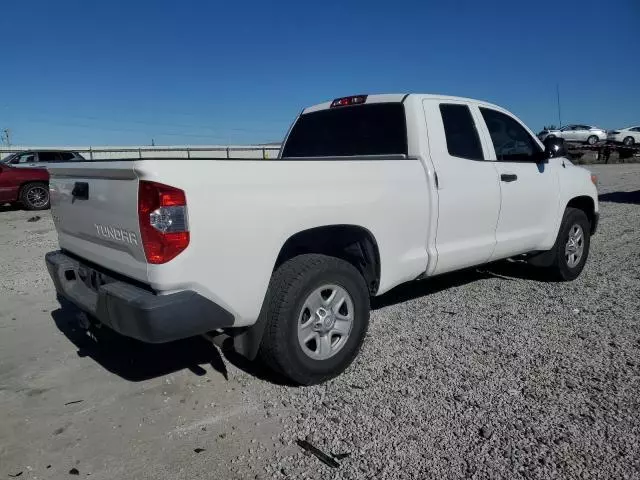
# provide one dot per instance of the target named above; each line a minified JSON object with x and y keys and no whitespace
{"x":27,"y":186}
{"x":627,"y":136}
{"x":576,"y":133}
{"x":42,"y":158}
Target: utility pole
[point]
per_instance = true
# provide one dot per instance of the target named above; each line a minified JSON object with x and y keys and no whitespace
{"x":559,"y":112}
{"x":153,"y":142}
{"x":6,"y":136}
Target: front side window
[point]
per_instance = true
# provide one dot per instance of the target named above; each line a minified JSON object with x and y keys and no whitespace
{"x":460,"y":131}
{"x":510,"y":139}
{"x":24,"y":158}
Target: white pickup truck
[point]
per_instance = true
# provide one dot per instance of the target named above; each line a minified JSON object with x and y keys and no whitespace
{"x":282,"y":256}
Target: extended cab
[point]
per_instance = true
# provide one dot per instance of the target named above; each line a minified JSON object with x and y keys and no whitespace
{"x":282,"y":256}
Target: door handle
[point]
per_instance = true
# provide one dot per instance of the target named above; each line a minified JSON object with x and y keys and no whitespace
{"x":508,"y":177}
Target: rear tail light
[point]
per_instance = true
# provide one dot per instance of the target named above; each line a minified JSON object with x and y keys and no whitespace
{"x":164,"y":226}
{"x":345,"y":101}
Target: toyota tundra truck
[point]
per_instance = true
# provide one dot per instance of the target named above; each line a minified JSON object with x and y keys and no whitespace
{"x":281,"y":257}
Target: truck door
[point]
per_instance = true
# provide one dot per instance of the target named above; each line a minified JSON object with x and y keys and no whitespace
{"x":529,"y":188}
{"x":468,"y":187}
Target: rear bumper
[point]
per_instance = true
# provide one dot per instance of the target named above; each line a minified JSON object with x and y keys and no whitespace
{"x":131,"y":310}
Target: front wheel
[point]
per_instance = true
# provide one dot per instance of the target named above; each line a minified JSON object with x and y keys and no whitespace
{"x":317,"y":314}
{"x":592,"y":140}
{"x":572,"y":245}
{"x":628,"y":141}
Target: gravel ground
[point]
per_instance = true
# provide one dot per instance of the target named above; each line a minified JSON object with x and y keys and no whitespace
{"x":494,"y":374}
{"x":483,"y":374}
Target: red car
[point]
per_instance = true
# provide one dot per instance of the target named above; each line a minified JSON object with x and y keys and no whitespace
{"x":28,"y":186}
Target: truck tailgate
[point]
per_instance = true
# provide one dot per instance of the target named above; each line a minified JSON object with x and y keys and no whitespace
{"x":95,"y":209}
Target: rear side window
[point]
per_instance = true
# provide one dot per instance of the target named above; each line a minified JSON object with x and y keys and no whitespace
{"x":49,"y":156}
{"x":67,"y":156}
{"x":374,"y":129}
{"x":460,"y":131}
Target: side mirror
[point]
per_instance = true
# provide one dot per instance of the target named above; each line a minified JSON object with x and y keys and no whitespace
{"x":554,"y":147}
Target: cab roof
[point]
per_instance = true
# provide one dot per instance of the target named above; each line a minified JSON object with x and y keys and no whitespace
{"x":400,"y":97}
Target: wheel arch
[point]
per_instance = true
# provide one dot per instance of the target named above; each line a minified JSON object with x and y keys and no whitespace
{"x":588,"y":206}
{"x":24,"y":183}
{"x":352,"y":243}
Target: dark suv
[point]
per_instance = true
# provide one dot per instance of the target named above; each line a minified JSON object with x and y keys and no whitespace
{"x":42,"y":158}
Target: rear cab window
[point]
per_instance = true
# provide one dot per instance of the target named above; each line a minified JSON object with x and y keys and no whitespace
{"x":368,"y":129}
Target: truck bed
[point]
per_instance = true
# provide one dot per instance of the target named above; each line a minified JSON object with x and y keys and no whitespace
{"x":241,"y":212}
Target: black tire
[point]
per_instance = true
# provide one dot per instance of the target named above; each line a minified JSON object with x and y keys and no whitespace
{"x":560,"y":268}
{"x":30,"y":200}
{"x":628,"y":141}
{"x":592,"y":140}
{"x":290,"y":286}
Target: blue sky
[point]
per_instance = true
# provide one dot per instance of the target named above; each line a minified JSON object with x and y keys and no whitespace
{"x":202,"y":72}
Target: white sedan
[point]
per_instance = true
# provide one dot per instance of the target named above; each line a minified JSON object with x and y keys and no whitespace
{"x":576,"y":133}
{"x":627,"y":136}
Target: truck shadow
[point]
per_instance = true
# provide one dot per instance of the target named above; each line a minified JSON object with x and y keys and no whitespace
{"x":136,"y":361}
{"x":133,"y":360}
{"x":422,"y":288}
{"x":504,"y":269}
{"x":254,"y":367}
{"x":621,"y":197}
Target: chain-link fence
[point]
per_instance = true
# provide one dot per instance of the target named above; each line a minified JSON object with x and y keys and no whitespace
{"x":117,"y":153}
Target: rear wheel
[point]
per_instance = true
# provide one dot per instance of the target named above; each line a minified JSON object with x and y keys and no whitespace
{"x":592,"y":140}
{"x":317,"y":310}
{"x":571,"y":249}
{"x":35,"y":196}
{"x":628,"y":141}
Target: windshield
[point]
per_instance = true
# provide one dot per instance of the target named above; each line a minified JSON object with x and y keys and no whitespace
{"x":374,"y":129}
{"x":8,"y":158}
